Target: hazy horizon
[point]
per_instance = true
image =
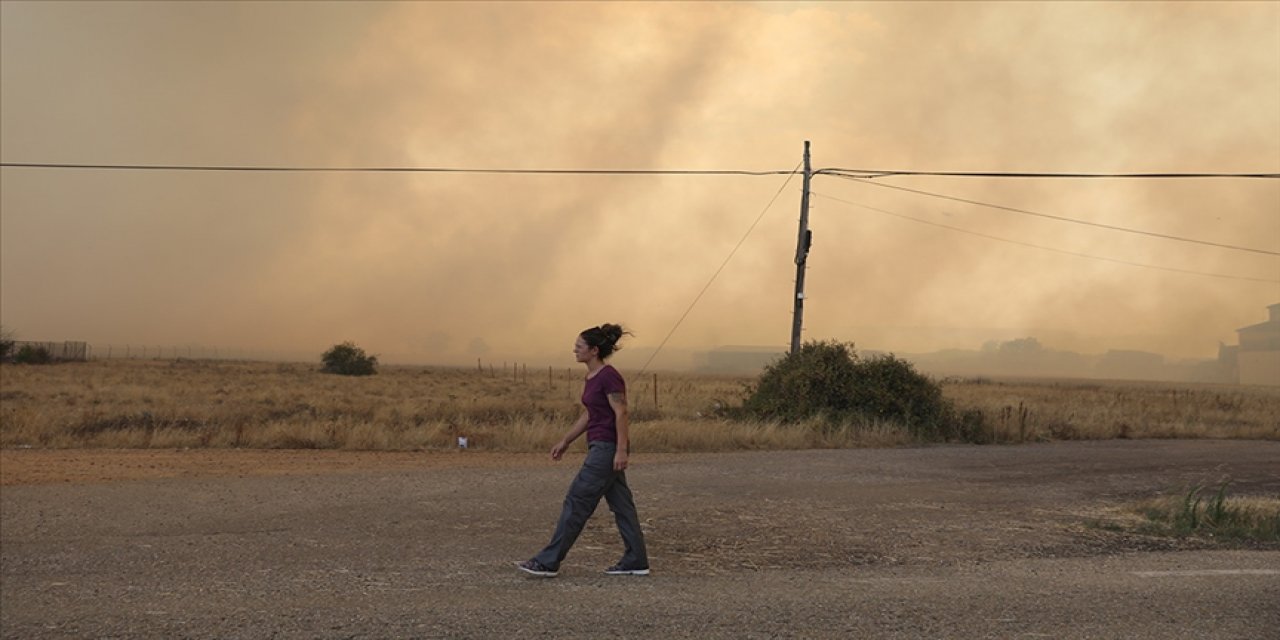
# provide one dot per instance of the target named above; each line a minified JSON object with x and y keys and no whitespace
{"x":445,"y":268}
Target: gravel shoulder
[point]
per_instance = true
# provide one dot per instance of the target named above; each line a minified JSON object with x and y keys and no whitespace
{"x":941,"y":541}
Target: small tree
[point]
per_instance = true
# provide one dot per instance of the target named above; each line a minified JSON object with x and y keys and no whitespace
{"x":349,"y":360}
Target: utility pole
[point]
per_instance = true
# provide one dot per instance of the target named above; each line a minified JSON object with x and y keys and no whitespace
{"x":802,"y":255}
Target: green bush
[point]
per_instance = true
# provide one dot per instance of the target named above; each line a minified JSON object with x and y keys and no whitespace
{"x":349,"y":360}
{"x":829,"y":381}
{"x":33,"y":354}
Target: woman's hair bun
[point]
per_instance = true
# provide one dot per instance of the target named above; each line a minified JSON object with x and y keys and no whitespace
{"x":612,"y":332}
{"x":605,"y":338}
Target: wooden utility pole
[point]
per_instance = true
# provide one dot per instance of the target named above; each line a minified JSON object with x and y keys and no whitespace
{"x":802,"y":255}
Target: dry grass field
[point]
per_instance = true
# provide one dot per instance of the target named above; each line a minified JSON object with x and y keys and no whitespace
{"x":193,"y":403}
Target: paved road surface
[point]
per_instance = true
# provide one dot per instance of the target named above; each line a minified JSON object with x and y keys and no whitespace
{"x":932,"y":542}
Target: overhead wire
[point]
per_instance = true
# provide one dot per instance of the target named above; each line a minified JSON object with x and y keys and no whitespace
{"x":295,"y":169}
{"x":1037,"y":246}
{"x":865,"y":176}
{"x":835,"y":171}
{"x":878,"y":173}
{"x":1060,"y":218}
{"x":790,"y":174}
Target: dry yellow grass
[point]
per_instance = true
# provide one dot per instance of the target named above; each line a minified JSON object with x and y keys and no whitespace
{"x":1021,"y":410}
{"x":171,"y":404}
{"x":1198,"y":511}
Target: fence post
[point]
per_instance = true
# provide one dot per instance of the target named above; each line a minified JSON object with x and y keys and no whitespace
{"x":655,"y":393}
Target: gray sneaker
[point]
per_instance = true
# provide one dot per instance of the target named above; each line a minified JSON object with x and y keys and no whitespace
{"x":619,"y":570}
{"x":535,"y":568}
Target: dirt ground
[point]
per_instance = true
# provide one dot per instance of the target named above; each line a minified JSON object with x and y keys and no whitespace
{"x":928,"y":542}
{"x":80,"y":466}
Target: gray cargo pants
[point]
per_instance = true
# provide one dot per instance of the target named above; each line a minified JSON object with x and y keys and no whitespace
{"x":597,"y":478}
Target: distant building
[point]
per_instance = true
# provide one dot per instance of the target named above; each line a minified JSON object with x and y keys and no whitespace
{"x":1257,"y":358}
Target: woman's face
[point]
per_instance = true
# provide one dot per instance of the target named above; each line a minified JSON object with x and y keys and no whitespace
{"x":582,"y":351}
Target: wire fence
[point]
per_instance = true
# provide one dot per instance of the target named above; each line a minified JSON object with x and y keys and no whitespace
{"x":61,"y":351}
{"x":192,"y":352}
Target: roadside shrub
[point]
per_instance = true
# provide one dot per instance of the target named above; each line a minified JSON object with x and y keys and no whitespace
{"x":828,"y":380}
{"x":887,"y":388}
{"x":349,"y":360}
{"x":6,"y":345}
{"x":815,"y":380}
{"x":33,"y":354}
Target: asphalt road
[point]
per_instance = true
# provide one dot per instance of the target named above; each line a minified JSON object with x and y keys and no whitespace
{"x":932,"y":542}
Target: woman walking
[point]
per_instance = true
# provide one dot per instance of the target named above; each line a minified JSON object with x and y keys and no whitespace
{"x":603,"y":472}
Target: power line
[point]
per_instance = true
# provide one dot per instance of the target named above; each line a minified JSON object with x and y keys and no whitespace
{"x":264,"y":169}
{"x":834,"y":171}
{"x":864,"y":176}
{"x":1064,"y":218}
{"x":1036,"y":246}
{"x":790,"y":174}
{"x":875,"y":173}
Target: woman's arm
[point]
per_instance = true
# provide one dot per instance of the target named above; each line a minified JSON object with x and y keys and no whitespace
{"x":618,"y":400}
{"x":578,"y":428}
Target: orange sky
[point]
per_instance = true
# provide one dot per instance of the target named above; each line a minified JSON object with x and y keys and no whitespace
{"x":445,"y":268}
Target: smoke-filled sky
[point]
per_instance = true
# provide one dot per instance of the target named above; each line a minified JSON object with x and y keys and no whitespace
{"x":445,"y":268}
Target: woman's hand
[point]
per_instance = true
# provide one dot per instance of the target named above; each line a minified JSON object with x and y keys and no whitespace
{"x":620,"y":460}
{"x":557,"y":450}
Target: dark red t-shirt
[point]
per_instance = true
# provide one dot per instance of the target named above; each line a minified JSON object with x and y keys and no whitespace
{"x":602,"y":424}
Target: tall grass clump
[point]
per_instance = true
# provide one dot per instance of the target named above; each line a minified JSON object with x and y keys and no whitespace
{"x":1204,"y":512}
{"x":830,"y":382}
